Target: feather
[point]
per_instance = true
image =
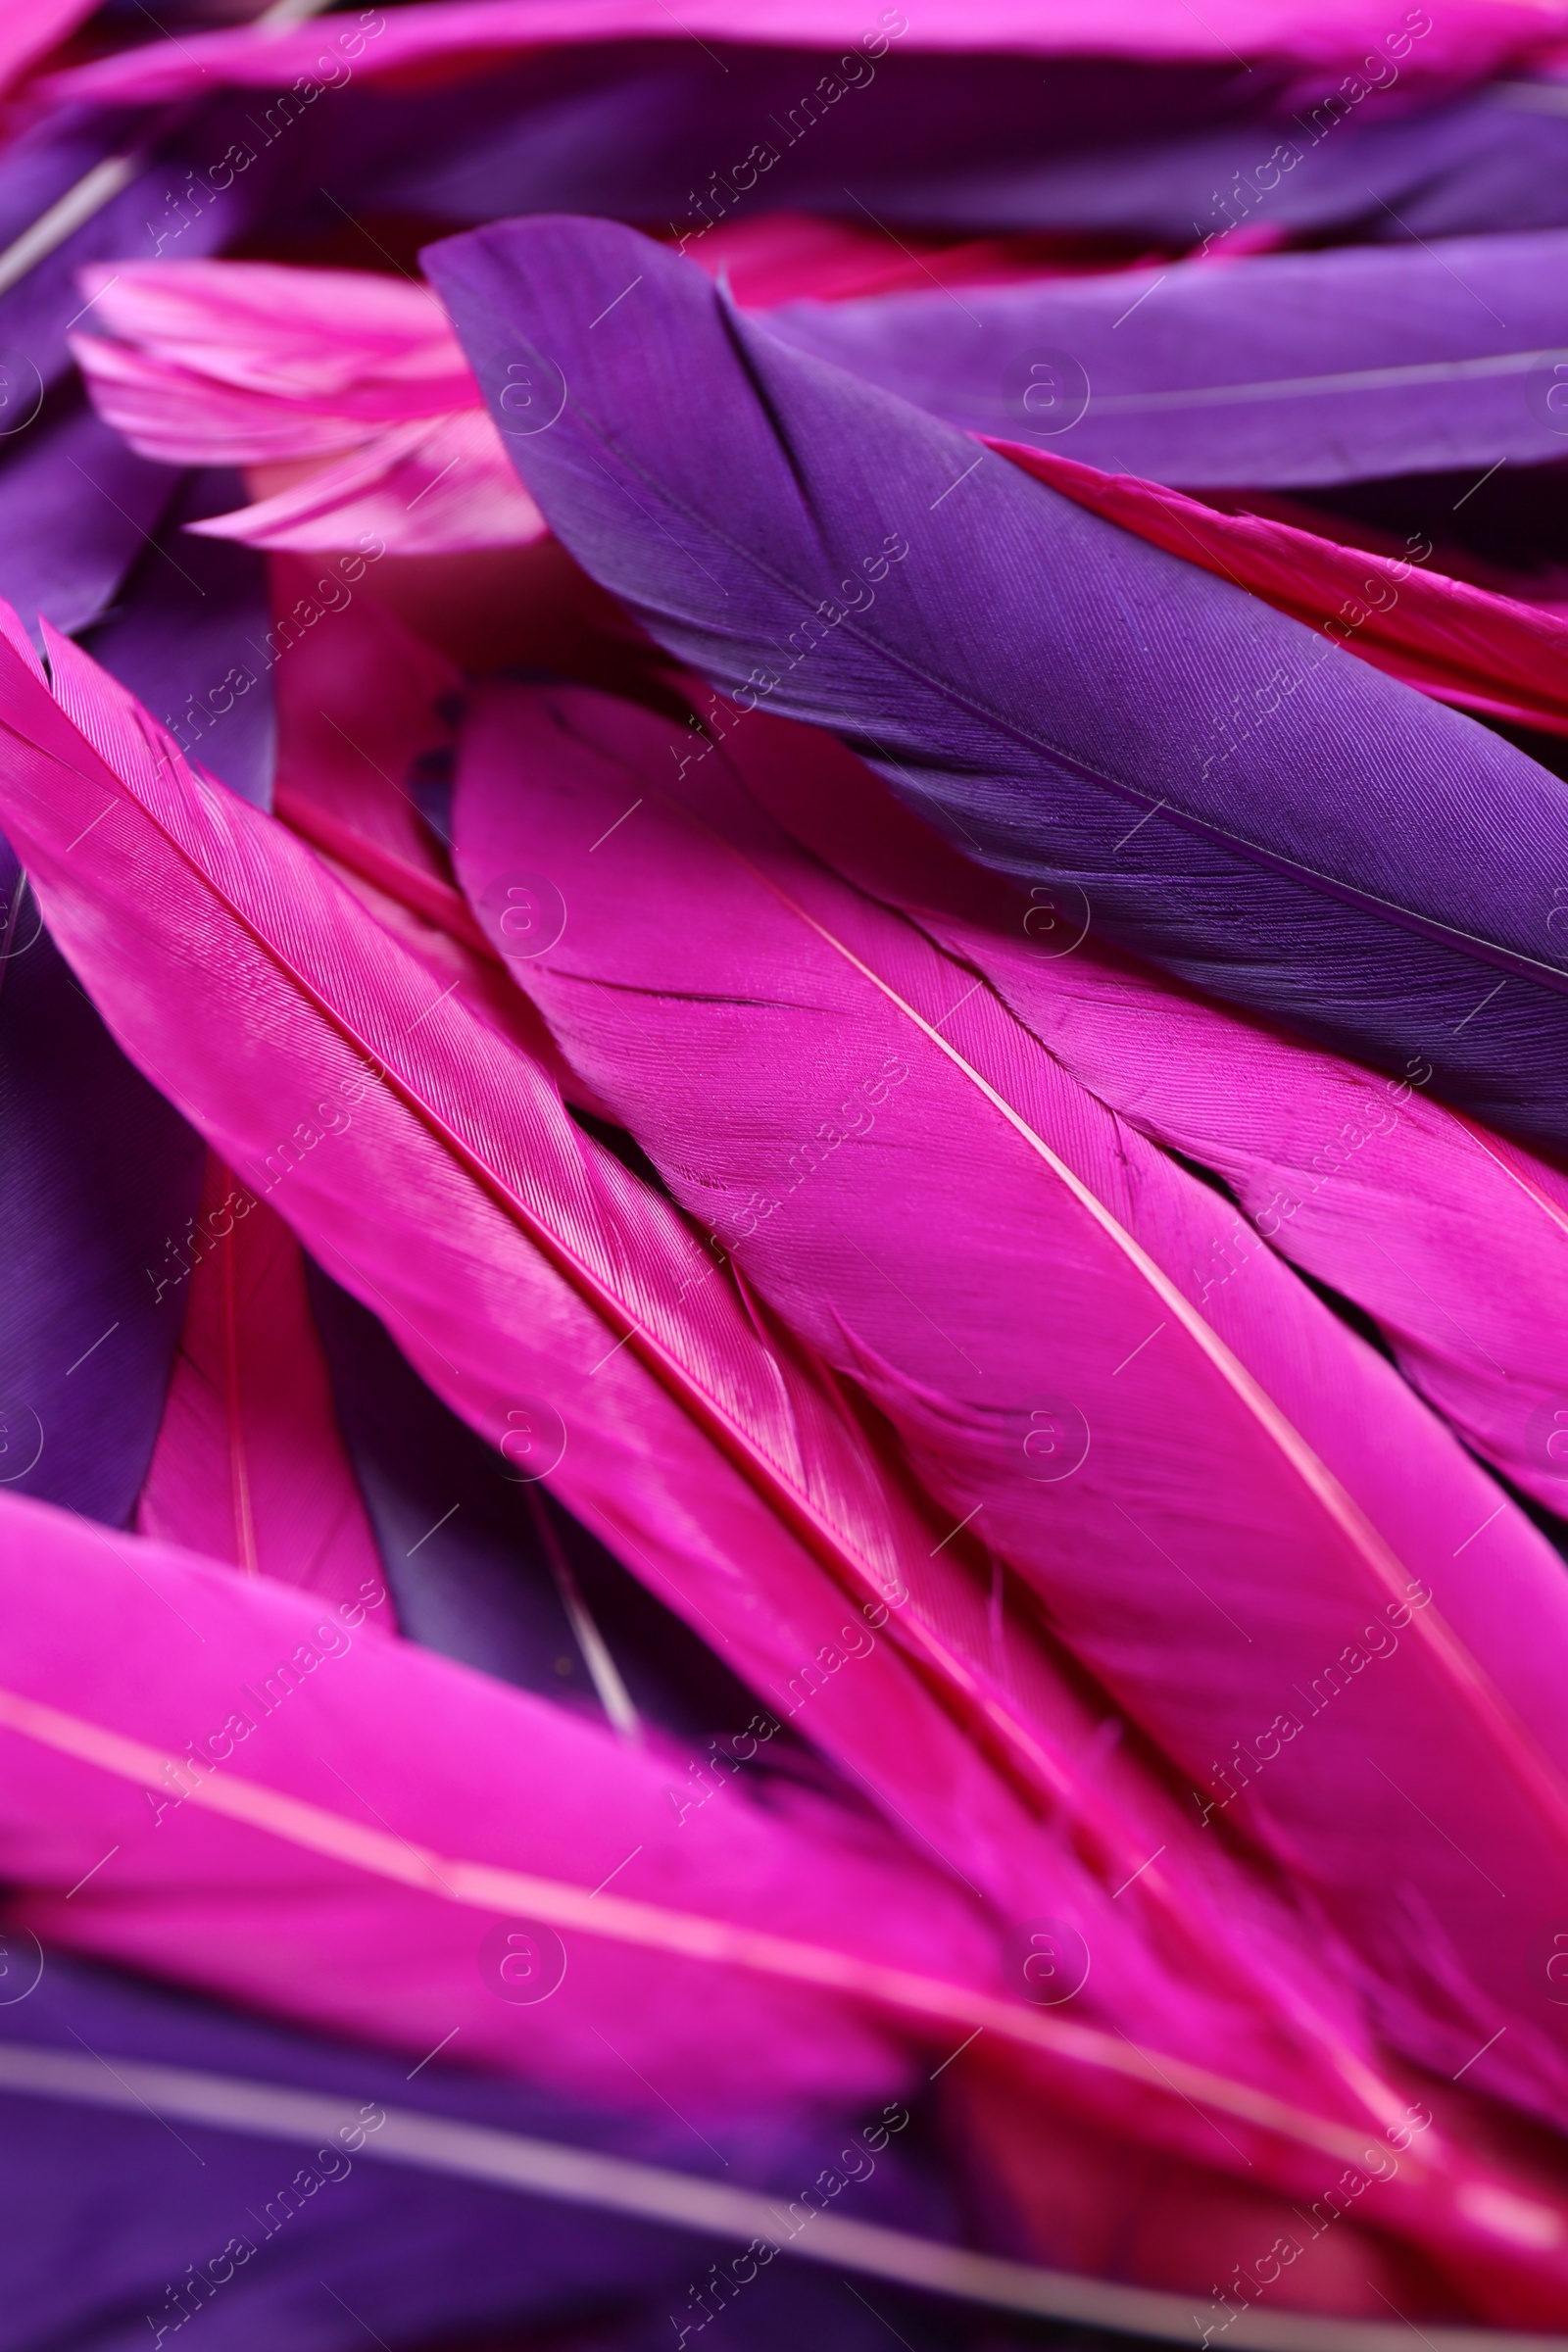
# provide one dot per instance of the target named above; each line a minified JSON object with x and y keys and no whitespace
{"x":186,"y":637}
{"x":1450,"y":1238}
{"x":517,"y":1264}
{"x":1474,"y":163}
{"x":1200,"y":2234}
{"x":1294,"y":832}
{"x":161,"y":200}
{"x":32,"y":29}
{"x":76,"y":509}
{"x":1484,"y":653}
{"x":1246,"y":1509}
{"x":777,"y":256}
{"x":479,"y":1571}
{"x":258,"y":363}
{"x":1295,"y":369}
{"x":97,"y":1176}
{"x":1103,"y":147}
{"x":1466,"y":41}
{"x":249,"y":1466}
{"x":365,"y":711}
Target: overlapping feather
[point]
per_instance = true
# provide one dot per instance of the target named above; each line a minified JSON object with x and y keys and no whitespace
{"x":345,"y":394}
{"x":99,"y":1179}
{"x":282,"y":1841}
{"x":1467,"y":40}
{"x":1448,"y":638}
{"x":1450,"y":1237}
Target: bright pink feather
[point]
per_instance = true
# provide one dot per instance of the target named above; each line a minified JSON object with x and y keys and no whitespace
{"x":1455,"y":1239}
{"x":248,"y":1465}
{"x":768,"y":258}
{"x":220,"y":1789}
{"x":1232,"y":1509}
{"x":345,"y":392}
{"x":31,"y":28}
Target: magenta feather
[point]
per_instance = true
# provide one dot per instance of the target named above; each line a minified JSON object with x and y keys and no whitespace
{"x":338,"y":1873}
{"x":517,"y":1264}
{"x":248,"y":1465}
{"x":1233,"y":1512}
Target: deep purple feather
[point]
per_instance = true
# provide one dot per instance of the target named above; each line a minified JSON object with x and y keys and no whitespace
{"x":1225,"y":791}
{"x":1288,"y":369}
{"x":469,"y":1566}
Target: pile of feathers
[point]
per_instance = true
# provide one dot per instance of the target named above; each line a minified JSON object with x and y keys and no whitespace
{"x":783,"y":1175}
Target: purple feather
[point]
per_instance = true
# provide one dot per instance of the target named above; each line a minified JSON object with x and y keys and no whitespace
{"x":77,"y":508}
{"x":415,"y":2254}
{"x":188,"y":639}
{"x":1288,"y":369}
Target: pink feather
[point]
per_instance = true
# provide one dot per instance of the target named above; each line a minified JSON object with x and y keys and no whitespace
{"x":248,"y":1465}
{"x":769,"y":257}
{"x":1234,"y":1512}
{"x":345,"y":392}
{"x":31,"y":28}
{"x":1492,"y":654}
{"x":220,"y":1789}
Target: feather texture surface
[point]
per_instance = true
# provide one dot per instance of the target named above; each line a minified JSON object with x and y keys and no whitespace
{"x":1234,"y":803}
{"x":346,"y":392}
{"x":77,"y":508}
{"x":99,"y":1179}
{"x":32,"y":29}
{"x":866,"y":1955}
{"x":1448,"y":638}
{"x":1464,"y":42}
{"x":188,"y":635}
{"x":408,"y":2249}
{"x":249,"y":1864}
